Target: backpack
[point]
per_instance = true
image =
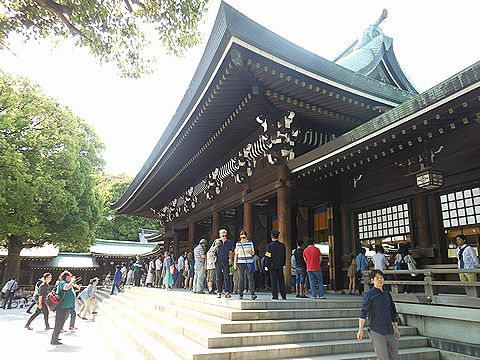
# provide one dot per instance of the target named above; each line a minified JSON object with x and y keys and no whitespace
{"x":53,"y":299}
{"x":402,"y":265}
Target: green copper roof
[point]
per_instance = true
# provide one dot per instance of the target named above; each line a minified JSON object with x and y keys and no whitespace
{"x":67,"y":261}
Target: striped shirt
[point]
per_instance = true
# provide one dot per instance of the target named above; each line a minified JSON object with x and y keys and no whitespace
{"x":244,"y":251}
{"x":197,"y":253}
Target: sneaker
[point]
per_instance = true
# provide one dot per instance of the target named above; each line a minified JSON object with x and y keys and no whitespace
{"x":28,"y":327}
{"x":321,"y":297}
{"x":55,"y":343}
{"x":219,"y":295}
{"x":254,"y":297}
{"x":298,"y":295}
{"x":211,"y":292}
{"x":227,"y":295}
{"x":240,"y":297}
{"x":72,"y":328}
{"x":303,"y":296}
{"x":48,"y":328}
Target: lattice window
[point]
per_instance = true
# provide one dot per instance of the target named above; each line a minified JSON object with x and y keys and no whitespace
{"x":461,"y":208}
{"x":387,"y":221}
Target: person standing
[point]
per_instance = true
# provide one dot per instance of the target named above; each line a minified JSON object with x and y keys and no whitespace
{"x":67,"y":302}
{"x":151,"y":273}
{"x":293,"y":272}
{"x":8,"y":291}
{"x":380,"y":261}
{"x":313,"y":259}
{"x":130,"y":273}
{"x":117,"y":279}
{"x":274,"y":263}
{"x":181,"y":267}
{"x":382,"y":315}
{"x":42,"y":308}
{"x":243,"y":262}
{"x":124,"y":274}
{"x":362,"y":265}
{"x":137,"y":271}
{"x":158,"y":272}
{"x":89,"y":298}
{"x":301,"y":271}
{"x":257,"y":261}
{"x":351,"y":274}
{"x":223,"y":246}
{"x":199,"y":275}
{"x":211,"y":259}
{"x":168,"y":270}
{"x":467,"y":258}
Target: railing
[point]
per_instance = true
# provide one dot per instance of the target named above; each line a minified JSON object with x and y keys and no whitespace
{"x":429,"y":289}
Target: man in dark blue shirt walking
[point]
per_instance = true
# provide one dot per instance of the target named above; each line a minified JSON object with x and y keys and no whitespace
{"x":382,"y":315}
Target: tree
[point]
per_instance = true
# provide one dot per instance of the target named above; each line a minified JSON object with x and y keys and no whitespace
{"x":113,"y":226}
{"x":49,"y":159}
{"x":113,"y":30}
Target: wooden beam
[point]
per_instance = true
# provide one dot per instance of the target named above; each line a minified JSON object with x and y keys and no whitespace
{"x":176,"y":244}
{"x":284,"y":216}
{"x":216,"y":223}
{"x":248,"y":218}
{"x":191,"y":235}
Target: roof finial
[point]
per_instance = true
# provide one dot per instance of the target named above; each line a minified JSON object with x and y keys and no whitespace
{"x":381,"y":18}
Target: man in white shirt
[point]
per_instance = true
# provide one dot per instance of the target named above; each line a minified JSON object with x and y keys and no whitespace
{"x":8,"y":292}
{"x":467,"y":258}
{"x":380,"y":261}
{"x":180,"y":267}
{"x":211,"y":259}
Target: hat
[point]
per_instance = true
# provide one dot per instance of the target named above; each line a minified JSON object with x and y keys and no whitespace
{"x":203,"y":241}
{"x":275,"y":234}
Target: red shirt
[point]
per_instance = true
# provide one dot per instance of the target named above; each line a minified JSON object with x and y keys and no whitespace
{"x":312,"y":257}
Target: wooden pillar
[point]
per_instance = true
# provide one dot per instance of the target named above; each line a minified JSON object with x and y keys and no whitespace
{"x":166,"y":244}
{"x":216,"y":223}
{"x":248,"y":219}
{"x":191,"y":235}
{"x":422,"y":228}
{"x":284,"y":216}
{"x":176,"y":244}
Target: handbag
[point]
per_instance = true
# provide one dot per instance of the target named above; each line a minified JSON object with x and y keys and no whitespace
{"x":52,"y":300}
{"x":250,"y":266}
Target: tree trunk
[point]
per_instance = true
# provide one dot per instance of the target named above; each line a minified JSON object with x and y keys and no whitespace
{"x":12,"y":266}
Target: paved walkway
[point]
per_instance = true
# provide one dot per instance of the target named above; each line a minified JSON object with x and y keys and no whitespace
{"x":86,"y":343}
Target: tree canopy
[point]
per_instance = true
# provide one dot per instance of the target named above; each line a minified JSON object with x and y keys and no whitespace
{"x":114,"y":31}
{"x":113,"y":226}
{"x":49,"y":161}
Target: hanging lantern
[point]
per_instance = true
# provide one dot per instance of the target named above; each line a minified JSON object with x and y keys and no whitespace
{"x":430,"y":179}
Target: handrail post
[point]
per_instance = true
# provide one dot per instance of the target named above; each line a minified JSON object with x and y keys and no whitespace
{"x":472,"y":291}
{"x":430,"y":289}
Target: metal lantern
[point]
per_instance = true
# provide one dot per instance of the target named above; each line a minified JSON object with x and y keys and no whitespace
{"x":430,"y":179}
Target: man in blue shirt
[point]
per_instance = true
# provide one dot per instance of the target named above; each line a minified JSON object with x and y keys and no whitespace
{"x":223,"y":248}
{"x":382,"y":315}
{"x":362,"y":265}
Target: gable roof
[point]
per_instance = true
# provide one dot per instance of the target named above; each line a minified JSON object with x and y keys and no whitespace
{"x":232,"y":28}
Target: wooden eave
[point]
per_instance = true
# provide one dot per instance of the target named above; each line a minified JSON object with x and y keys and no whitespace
{"x":200,"y":126}
{"x":433,"y":113}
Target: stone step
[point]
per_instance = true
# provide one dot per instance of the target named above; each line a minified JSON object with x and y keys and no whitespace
{"x":193,"y":302}
{"x":142,"y":330}
{"x":263,"y":301}
{"x":211,"y":339}
{"x":226,"y":326}
{"x":147,"y":343}
{"x":422,"y":353}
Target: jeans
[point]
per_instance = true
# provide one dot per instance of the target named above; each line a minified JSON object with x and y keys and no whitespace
{"x":300,"y":276}
{"x":222,"y":275}
{"x":316,"y":283}
{"x":199,"y":278}
{"x":115,"y":285}
{"x":44,"y":311}
{"x":73,"y":316}
{"x":61,"y":316}
{"x":385,"y":346}
{"x":137,"y":276}
{"x":242,"y":269}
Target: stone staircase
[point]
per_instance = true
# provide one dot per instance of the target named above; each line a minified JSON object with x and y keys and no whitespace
{"x":143,"y":323}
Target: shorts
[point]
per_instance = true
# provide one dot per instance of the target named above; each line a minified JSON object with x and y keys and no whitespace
{"x":211,"y":275}
{"x":301,"y":274}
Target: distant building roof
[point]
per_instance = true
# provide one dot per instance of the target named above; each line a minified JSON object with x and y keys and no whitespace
{"x":45,"y":251}
{"x":67,"y":261}
{"x":372,"y":55}
{"x":116,"y":248}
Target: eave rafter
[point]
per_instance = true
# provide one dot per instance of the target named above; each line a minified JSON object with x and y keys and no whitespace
{"x":300,"y":84}
{"x":313,"y":108}
{"x":368,"y":154}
